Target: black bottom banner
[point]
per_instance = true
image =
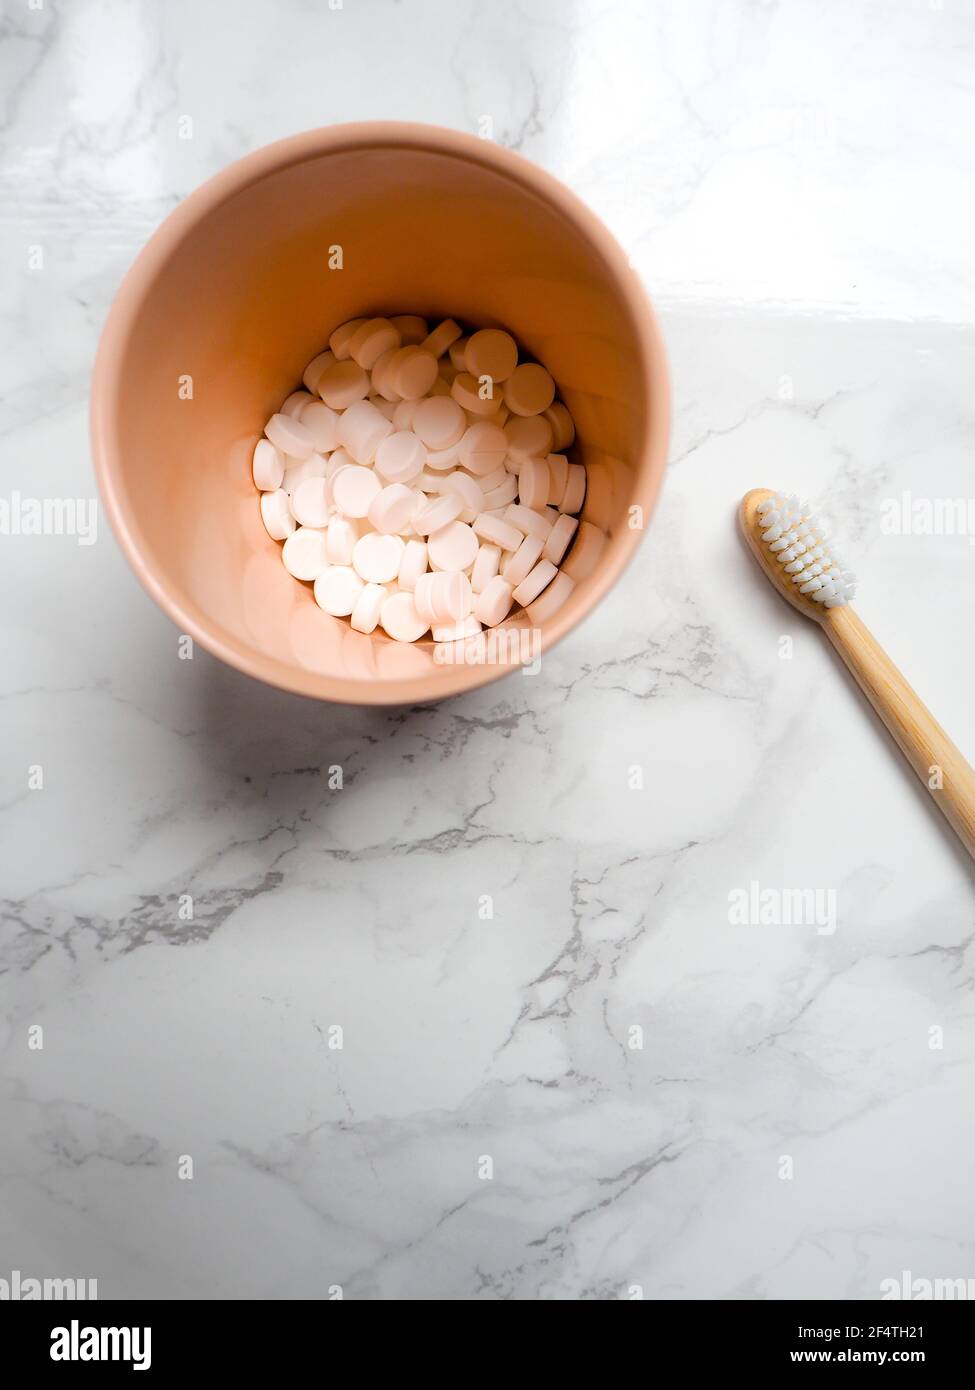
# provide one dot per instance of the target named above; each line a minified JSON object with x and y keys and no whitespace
{"x":169,"y":1340}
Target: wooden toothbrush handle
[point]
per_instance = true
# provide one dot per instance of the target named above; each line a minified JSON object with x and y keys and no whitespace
{"x":915,"y":730}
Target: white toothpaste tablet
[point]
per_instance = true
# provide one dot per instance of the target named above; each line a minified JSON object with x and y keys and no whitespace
{"x":341,"y":537}
{"x":452,"y":547}
{"x":337,"y":590}
{"x":361,"y":429}
{"x":414,"y":564}
{"x":370,"y":340}
{"x":353,"y":490}
{"x":500,"y":496}
{"x":563,"y":428}
{"x":429,"y":482}
{"x":443,"y":597}
{"x":439,"y":422}
{"x":400,"y":456}
{"x":559,"y":537}
{"x":499,"y":532}
{"x":336,"y":460}
{"x":316,"y":369}
{"x":489,"y":481}
{"x":536,"y":580}
{"x":452,"y":596}
{"x":321,"y":422}
{"x":312,"y":374}
{"x":486,"y":566}
{"x":423,"y":598}
{"x":456,"y":353}
{"x":558,"y":476}
{"x":476,"y":395}
{"x":392,"y":509}
{"x":483,"y":448}
{"x":400,"y":618}
{"x":340,"y":341}
{"x":529,"y":390}
{"x":314,"y":466}
{"x":290,"y":436}
{"x":276,"y":515}
{"x":403,"y":415}
{"x":529,"y":437}
{"x":310,"y":502}
{"x":440,"y":512}
{"x":520,"y":562}
{"x":491,"y":352}
{"x":377,"y":558}
{"x":575,"y":489}
{"x":412,"y":372}
{"x":533,"y":483}
{"x":342,"y":384}
{"x":441,"y":338}
{"x":268,"y":466}
{"x":462,"y":485}
{"x":494,"y":601}
{"x":305,"y":554}
{"x":382,"y":380}
{"x":551,"y":600}
{"x":365,"y":614}
{"x":440,"y":460}
{"x":529,"y":522}
{"x":295,"y":402}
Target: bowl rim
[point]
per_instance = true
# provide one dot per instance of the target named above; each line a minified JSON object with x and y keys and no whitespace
{"x":227,"y":183}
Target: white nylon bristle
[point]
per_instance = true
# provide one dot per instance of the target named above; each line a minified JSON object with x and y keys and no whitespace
{"x":797,"y":539}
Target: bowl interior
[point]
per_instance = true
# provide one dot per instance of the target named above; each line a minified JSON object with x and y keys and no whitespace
{"x":244,"y":288}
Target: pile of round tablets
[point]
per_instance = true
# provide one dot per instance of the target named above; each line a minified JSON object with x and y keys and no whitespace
{"x":417,"y":481}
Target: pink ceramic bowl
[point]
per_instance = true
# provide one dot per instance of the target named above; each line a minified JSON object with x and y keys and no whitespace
{"x":232,"y":297}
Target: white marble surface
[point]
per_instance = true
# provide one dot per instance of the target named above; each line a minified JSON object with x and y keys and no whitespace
{"x":795,"y":181}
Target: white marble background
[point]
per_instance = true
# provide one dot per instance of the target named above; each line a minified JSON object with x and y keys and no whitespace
{"x":795,"y":181}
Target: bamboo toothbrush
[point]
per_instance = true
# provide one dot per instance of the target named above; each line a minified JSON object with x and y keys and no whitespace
{"x":790,"y":544}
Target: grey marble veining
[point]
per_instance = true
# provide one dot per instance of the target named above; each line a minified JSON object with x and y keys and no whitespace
{"x":805,"y":230}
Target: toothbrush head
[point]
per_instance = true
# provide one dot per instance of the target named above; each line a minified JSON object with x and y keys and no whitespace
{"x":789,"y":542}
